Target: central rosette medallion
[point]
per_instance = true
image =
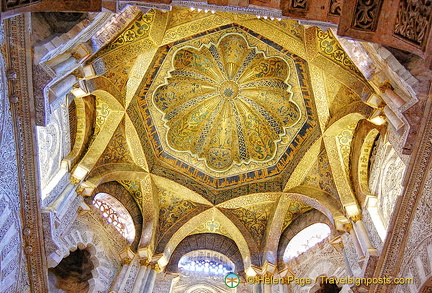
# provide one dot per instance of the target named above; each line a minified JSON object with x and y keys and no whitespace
{"x":228,"y":89}
{"x":226,"y":103}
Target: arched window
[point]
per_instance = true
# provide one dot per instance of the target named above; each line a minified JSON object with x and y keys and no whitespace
{"x":306,"y":239}
{"x":205,"y":262}
{"x":115,"y":214}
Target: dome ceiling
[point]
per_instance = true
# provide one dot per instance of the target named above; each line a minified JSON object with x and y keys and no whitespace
{"x":227,"y":104}
{"x":224,"y":124}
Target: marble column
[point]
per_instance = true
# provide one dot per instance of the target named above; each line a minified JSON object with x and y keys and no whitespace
{"x":151,"y":278}
{"x":142,"y":276}
{"x":357,"y":245}
{"x":363,"y":237}
{"x":258,"y":288}
{"x":268,"y":288}
{"x":121,"y":276}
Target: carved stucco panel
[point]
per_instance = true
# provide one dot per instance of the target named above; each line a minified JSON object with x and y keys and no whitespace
{"x":53,"y":144}
{"x":90,"y":230}
{"x":419,"y":246}
{"x":386,"y":175}
{"x":13,"y":273}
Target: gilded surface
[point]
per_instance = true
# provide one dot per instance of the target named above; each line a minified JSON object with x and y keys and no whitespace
{"x":138,"y":29}
{"x":226,"y":103}
{"x":318,"y":81}
{"x":338,"y":95}
{"x":344,"y":139}
{"x":210,"y":127}
{"x":117,"y":150}
{"x":255,"y":219}
{"x":235,"y":112}
{"x":320,"y":175}
{"x":295,"y":209}
{"x":338,"y":147}
{"x":180,"y":16}
{"x":102,"y":112}
{"x":119,"y":75}
{"x":291,"y":27}
{"x":194,"y":26}
{"x":211,"y":226}
{"x":172,"y":209}
{"x":134,"y":188}
{"x":330,"y":47}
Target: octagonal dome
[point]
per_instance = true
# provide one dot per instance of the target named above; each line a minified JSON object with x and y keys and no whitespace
{"x":227,"y":103}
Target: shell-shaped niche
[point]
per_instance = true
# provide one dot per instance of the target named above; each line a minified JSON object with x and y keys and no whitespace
{"x":227,"y":103}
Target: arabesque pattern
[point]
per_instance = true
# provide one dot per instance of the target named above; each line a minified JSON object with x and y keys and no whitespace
{"x":227,"y":103}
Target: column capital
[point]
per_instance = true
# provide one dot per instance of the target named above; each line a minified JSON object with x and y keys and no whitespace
{"x":126,"y":261}
{"x":356,"y":218}
{"x":144,"y":262}
{"x":156,"y":267}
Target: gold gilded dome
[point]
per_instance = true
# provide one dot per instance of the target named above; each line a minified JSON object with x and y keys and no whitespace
{"x":227,"y":103}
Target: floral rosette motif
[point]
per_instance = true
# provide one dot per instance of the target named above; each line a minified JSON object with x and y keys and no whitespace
{"x":226,"y":103}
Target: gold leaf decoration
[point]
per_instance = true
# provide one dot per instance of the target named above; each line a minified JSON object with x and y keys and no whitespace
{"x":117,"y":150}
{"x":320,"y":176}
{"x":172,"y":209}
{"x":295,"y":209}
{"x":211,"y":226}
{"x":227,"y":103}
{"x":138,"y":29}
{"x":255,"y":219}
{"x":330,"y":47}
{"x":134,"y":189}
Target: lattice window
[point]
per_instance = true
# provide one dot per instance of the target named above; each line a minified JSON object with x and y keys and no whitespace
{"x":206,"y":262}
{"x":115,"y":214}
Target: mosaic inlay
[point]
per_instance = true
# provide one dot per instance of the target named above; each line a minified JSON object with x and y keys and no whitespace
{"x":226,"y":104}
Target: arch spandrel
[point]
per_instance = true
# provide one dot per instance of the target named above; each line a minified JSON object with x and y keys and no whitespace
{"x":175,"y":210}
{"x":102,"y":89}
{"x":179,"y":190}
{"x":325,"y":52}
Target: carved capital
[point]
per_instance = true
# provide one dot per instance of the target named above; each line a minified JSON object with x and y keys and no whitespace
{"x":126,"y":261}
{"x":356,"y":218}
{"x":144,"y":262}
{"x":347,"y":227}
{"x":75,"y":181}
{"x":156,"y":267}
